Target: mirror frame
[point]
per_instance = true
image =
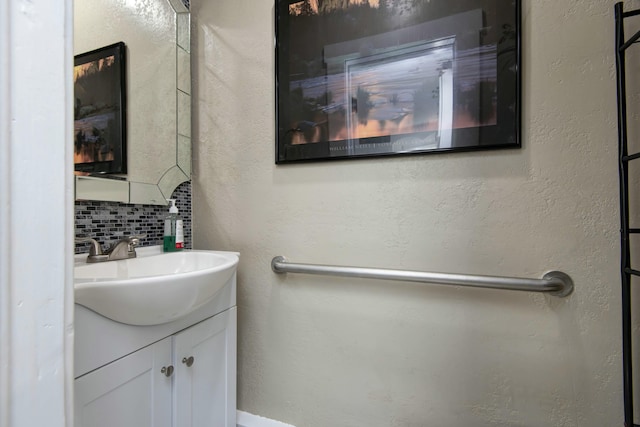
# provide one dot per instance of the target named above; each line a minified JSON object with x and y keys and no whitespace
{"x":118,"y":189}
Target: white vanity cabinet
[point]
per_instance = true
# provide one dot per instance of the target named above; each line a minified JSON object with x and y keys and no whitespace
{"x":178,"y":374}
{"x":131,"y":391}
{"x":203,"y":392}
{"x":185,"y":380}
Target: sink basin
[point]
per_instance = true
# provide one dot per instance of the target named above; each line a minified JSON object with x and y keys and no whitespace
{"x":155,"y":287}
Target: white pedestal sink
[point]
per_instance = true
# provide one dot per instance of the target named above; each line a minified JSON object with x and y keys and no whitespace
{"x":155,"y":287}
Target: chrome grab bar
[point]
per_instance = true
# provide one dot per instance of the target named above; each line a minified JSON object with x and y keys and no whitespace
{"x":554,"y":283}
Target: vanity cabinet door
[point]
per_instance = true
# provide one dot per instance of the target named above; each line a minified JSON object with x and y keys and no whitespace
{"x":134,"y":391}
{"x":205,"y":380}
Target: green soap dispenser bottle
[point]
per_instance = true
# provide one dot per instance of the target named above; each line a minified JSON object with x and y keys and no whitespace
{"x":173,"y":230}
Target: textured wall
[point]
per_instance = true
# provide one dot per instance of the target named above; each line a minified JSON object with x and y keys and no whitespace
{"x":316,"y":351}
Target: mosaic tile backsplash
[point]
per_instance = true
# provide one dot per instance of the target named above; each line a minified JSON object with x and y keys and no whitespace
{"x":108,"y":222}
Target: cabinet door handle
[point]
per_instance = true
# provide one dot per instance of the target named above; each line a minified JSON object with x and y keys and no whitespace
{"x":167,"y":370}
{"x":188,"y":361}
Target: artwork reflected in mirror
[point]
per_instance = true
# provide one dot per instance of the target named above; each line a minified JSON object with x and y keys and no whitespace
{"x":360,"y":78}
{"x":100,"y":112}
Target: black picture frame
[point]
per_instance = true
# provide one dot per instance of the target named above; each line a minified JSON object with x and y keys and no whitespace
{"x":363,"y":78}
{"x":100,"y":111}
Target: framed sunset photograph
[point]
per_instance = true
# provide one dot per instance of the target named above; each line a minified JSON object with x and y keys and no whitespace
{"x":100,"y":111}
{"x":363,"y":78}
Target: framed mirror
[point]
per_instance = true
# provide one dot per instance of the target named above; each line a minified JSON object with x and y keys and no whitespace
{"x":156,"y":37}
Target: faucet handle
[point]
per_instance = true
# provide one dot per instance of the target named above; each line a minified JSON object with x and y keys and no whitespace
{"x":135,"y":239}
{"x":95,"y":249}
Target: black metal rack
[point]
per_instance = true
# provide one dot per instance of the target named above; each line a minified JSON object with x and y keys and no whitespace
{"x":625,"y":231}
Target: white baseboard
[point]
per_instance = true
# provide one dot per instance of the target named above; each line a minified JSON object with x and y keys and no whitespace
{"x":245,"y":419}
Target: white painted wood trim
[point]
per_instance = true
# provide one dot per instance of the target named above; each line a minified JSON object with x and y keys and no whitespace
{"x":245,"y":419}
{"x":36,"y":213}
{"x":5,"y":288}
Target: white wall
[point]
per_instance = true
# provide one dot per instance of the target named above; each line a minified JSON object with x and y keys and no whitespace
{"x":36,"y":214}
{"x":317,"y":352}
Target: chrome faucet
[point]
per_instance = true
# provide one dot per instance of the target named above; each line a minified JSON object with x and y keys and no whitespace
{"x":125,"y":248}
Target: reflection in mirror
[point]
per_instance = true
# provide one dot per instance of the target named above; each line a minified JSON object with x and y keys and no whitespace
{"x":157,"y":38}
{"x":110,"y":190}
